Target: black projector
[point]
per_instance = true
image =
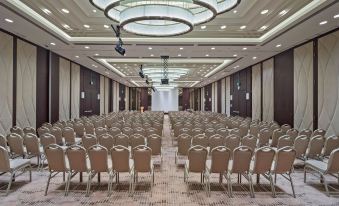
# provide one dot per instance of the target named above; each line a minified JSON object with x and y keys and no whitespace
{"x":164,"y":81}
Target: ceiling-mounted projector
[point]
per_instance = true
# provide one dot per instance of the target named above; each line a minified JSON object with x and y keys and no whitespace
{"x":164,"y":81}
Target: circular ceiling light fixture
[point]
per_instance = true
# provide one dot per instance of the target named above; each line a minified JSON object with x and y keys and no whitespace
{"x":162,"y":17}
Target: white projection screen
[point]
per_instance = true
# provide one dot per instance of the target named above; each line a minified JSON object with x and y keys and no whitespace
{"x":165,"y":100}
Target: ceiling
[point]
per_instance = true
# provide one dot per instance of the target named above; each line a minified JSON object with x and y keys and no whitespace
{"x":207,"y":54}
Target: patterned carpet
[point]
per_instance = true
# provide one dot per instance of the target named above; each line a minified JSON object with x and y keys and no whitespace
{"x":169,"y":189}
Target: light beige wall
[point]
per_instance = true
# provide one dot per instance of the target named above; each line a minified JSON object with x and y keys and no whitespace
{"x":102,"y":94}
{"x":256,"y":92}
{"x":268,"y":90}
{"x":202,"y":99}
{"x":64,"y":89}
{"x":106,"y":95}
{"x":75,"y":91}
{"x":303,"y":87}
{"x":26,"y":84}
{"x":228,"y":95}
{"x":6,"y":82}
{"x":328,"y":83}
{"x":213,"y":97}
{"x":223,"y":96}
{"x":127,"y":98}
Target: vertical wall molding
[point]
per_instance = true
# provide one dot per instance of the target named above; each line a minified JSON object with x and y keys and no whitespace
{"x":15,"y":68}
{"x":315,"y":84}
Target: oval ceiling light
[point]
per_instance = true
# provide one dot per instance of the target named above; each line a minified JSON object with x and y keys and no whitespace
{"x":162,"y":18}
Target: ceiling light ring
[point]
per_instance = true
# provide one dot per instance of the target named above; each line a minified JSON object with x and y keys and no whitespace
{"x":221,"y":11}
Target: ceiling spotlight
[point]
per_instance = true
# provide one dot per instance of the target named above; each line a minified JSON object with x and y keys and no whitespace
{"x":179,"y":55}
{"x":96,"y":54}
{"x":152,"y":55}
{"x":235,"y":11}
{"x":213,"y":48}
{"x":76,"y":56}
{"x":94,"y":65}
{"x":323,"y":22}
{"x":203,"y":27}
{"x":223,"y":27}
{"x":106,"y":26}
{"x":207,"y":55}
{"x":278,"y":45}
{"x":254,"y":57}
{"x":283,"y":12}
{"x":244,"y":48}
{"x":87,"y":47}
{"x":264,"y":11}
{"x":94,"y":11}
{"x":181,"y":48}
{"x":336,"y":16}
{"x":263,"y":28}
{"x":235,"y":55}
{"x":65,"y":11}
{"x":67,"y":27}
{"x":86,"y":26}
{"x":9,"y":20}
{"x":150,"y":48}
{"x":52,"y":43}
{"x":243,"y":27}
{"x":46,"y":11}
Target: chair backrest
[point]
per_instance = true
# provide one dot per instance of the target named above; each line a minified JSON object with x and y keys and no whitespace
{"x":215,"y":141}
{"x":223,"y":132}
{"x":249,"y":141}
{"x":220,"y":157}
{"x":122,"y":139}
{"x":201,"y":140}
{"x":306,"y":132}
{"x":154,"y":142}
{"x":16,"y":144}
{"x":232,"y":141}
{"x":100,"y":131}
{"x":136,"y":140}
{"x":115,"y":131}
{"x":285,"y":127}
{"x":31,"y":142}
{"x":263,"y":160}
{"x":184,"y":143}
{"x":264,"y":137}
{"x":284,"y":160}
{"x":242,"y":157}
{"x":333,"y":162}
{"x":243,"y":130}
{"x":120,"y":158}
{"x":77,"y":158}
{"x":29,"y":130}
{"x":285,"y":141}
{"x":69,"y":135}
{"x":151,"y":130}
{"x":142,"y":156}
{"x":275,"y":137}
{"x":235,"y":131}
{"x":17,"y":130}
{"x":42,"y":130}
{"x":209,"y":132}
{"x":57,"y":133}
{"x":315,"y":146}
{"x":320,"y":132}
{"x":300,"y":145}
{"x":4,"y":160}
{"x":106,"y":140}
{"x":88,"y":140}
{"x":331,"y":143}
{"x":56,"y":158}
{"x":3,"y":141}
{"x":47,"y":139}
{"x":47,"y":125}
{"x":254,"y":130}
{"x":196,"y":131}
{"x":89,"y":128}
{"x":79,"y":129}
{"x":197,"y":156}
{"x":98,"y":156}
{"x":140,"y":130}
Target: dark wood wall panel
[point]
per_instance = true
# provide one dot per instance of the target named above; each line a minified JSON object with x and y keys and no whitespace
{"x":122,"y":95}
{"x":90,"y":85}
{"x":241,"y":84}
{"x":283,"y":87}
{"x":54,"y":85}
{"x":185,"y":98}
{"x":144,"y":98}
{"x":219,"y":96}
{"x":42,"y":87}
{"x":197,"y":99}
{"x":208,"y":97}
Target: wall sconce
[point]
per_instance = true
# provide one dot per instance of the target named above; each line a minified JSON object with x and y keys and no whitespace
{"x":247,"y":96}
{"x":238,"y":85}
{"x":98,"y":96}
{"x":82,"y":95}
{"x":231,"y":97}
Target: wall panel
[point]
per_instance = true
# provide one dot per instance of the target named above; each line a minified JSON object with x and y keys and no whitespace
{"x":228,"y":95}
{"x":64,"y":89}
{"x":268,"y":90}
{"x":256,"y":91}
{"x":26,"y":84}
{"x":102,"y":94}
{"x":107,"y":90}
{"x":75,"y":91}
{"x":328,"y":83}
{"x":6,"y":82}
{"x":303,"y":87}
{"x":223,"y":96}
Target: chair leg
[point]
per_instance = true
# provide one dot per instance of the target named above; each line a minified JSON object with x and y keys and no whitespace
{"x":305,"y":174}
{"x":326,"y":186}
{"x":10,"y":183}
{"x":110,"y":182}
{"x":251,"y":185}
{"x":292,"y":185}
{"x":30,"y":173}
{"x":272,"y":184}
{"x":89,"y":181}
{"x":229,"y":185}
{"x":49,"y":179}
{"x":68,"y":182}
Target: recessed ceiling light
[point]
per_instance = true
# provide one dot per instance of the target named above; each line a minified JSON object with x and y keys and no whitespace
{"x":254,"y":57}
{"x":235,"y":11}
{"x":87,"y":47}
{"x":9,"y":20}
{"x":76,"y":56}
{"x":94,"y":11}
{"x":65,"y":11}
{"x":52,"y":43}
{"x":213,"y":48}
{"x":336,"y":16}
{"x":181,"y":48}
{"x":67,"y":27}
{"x":264,"y":11}
{"x":243,"y":27}
{"x":223,"y":27}
{"x":235,"y":55}
{"x":207,"y":55}
{"x":263,"y":28}
{"x":283,"y":12}
{"x":278,"y":45}
{"x":106,"y":26}
{"x":86,"y":26}
{"x":46,"y":11}
{"x":203,"y":27}
{"x":94,"y":65}
{"x":179,"y":55}
{"x":323,"y":22}
{"x":96,"y":54}
{"x":152,"y":55}
{"x":244,"y":48}
{"x":150,"y":48}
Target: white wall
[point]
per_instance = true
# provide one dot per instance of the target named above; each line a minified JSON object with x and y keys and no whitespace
{"x":166,"y":100}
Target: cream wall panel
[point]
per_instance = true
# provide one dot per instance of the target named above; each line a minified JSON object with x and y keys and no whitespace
{"x":106,"y":95}
{"x":113,"y":96}
{"x":64,"y":89}
{"x":216,"y":97}
{"x":117,"y":96}
{"x":328,"y":83}
{"x":213,"y":97}
{"x":256,"y":92}
{"x":26,"y":84}
{"x":303,"y":87}
{"x":6,"y":82}
{"x":202,"y":99}
{"x":75,"y":91}
{"x":127,"y":98}
{"x":223,"y":96}
{"x":268,"y":90}
{"x":102,"y":94}
{"x":228,"y":95}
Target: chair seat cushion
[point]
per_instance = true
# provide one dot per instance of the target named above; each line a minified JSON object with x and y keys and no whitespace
{"x":19,"y":163}
{"x":316,"y":165}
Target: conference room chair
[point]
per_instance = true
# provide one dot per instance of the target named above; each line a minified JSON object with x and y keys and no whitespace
{"x":196,"y":163}
{"x":223,"y":132}
{"x":89,"y":128}
{"x":58,"y":124}
{"x":218,"y":164}
{"x":184,"y":143}
{"x":300,"y":145}
{"x":109,"y":122}
{"x":33,"y":148}
{"x":113,"y":131}
{"x":56,"y":162}
{"x":293,"y":133}
{"x":57,"y":133}
{"x":47,"y":139}
{"x":201,"y":140}
{"x":273,"y":126}
{"x":285,"y":127}
{"x":29,"y":130}
{"x":323,"y":168}
{"x":12,"y":166}
{"x":306,"y":132}
{"x":249,"y":141}
{"x":106,"y":141}
{"x":16,"y":145}
{"x":47,"y":125}
{"x":232,"y":141}
{"x":264,"y":137}
{"x":150,"y":131}
{"x":42,"y":130}
{"x":240,"y":165}
{"x":88,"y":140}
{"x":122,"y":139}
{"x":275,"y":137}
{"x":283,"y":165}
{"x":209,"y":131}
{"x":196,"y":131}
{"x":254,"y":130}
{"x":235,"y":131}
{"x":3,"y":142}
{"x":98,"y":157}
{"x":100,"y":131}
{"x":77,"y":161}
{"x":331,"y":143}
{"x":215,"y":141}
{"x":69,"y":136}
{"x":159,"y":128}
{"x":122,"y":163}
{"x":320,"y":132}
{"x":243,"y":130}
{"x":315,"y":147}
{"x":79,"y":129}
{"x":263,"y":159}
{"x":285,"y":141}
{"x":140,"y":130}
{"x":17,"y":130}
{"x":154,"y":142}
{"x":142,"y":158}
{"x":136,"y":140}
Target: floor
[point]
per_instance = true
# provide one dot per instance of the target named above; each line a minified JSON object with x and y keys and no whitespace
{"x":169,"y":189}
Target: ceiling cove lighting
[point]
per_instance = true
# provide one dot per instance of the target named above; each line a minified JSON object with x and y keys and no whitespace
{"x":162,"y":18}
{"x":106,"y":26}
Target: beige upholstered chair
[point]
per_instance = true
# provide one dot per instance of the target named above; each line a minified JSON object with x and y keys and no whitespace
{"x":13,"y":166}
{"x":243,"y":130}
{"x":57,"y":133}
{"x":264,"y":137}
{"x":154,"y":142}
{"x":275,"y":137}
{"x":215,"y":141}
{"x":100,"y":131}
{"x":42,"y":130}
{"x":136,"y":140}
{"x":98,"y":157}
{"x":249,"y":141}
{"x":69,"y":136}
{"x":232,"y":141}
{"x":201,"y":140}
{"x":150,"y":131}
{"x":242,"y":157}
{"x":209,"y":132}
{"x":331,"y":143}
{"x":16,"y":145}
{"x":77,"y":159}
{"x":184,"y":143}
{"x":3,"y":141}
{"x":322,"y":168}
{"x":283,"y":164}
{"x":17,"y":130}
{"x":142,"y":157}
{"x":122,"y":139}
{"x":254,"y":130}
{"x":47,"y":139}
{"x":196,"y":131}
{"x":285,"y":127}
{"x":262,"y":164}
{"x":293,"y":133}
{"x":218,"y":163}
{"x":235,"y":131}
{"x":31,"y":142}
{"x":29,"y":130}
{"x":115,"y":131}
{"x":56,"y":162}
{"x":106,"y":140}
{"x":89,"y":128}
{"x":320,"y":132}
{"x":223,"y":132}
{"x":306,"y":132}
{"x":300,"y":145}
{"x":315,"y":147}
{"x":47,"y":125}
{"x":285,"y":141}
{"x":140,"y":130}
{"x":88,"y":140}
{"x":79,"y":129}
{"x":196,"y":163}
